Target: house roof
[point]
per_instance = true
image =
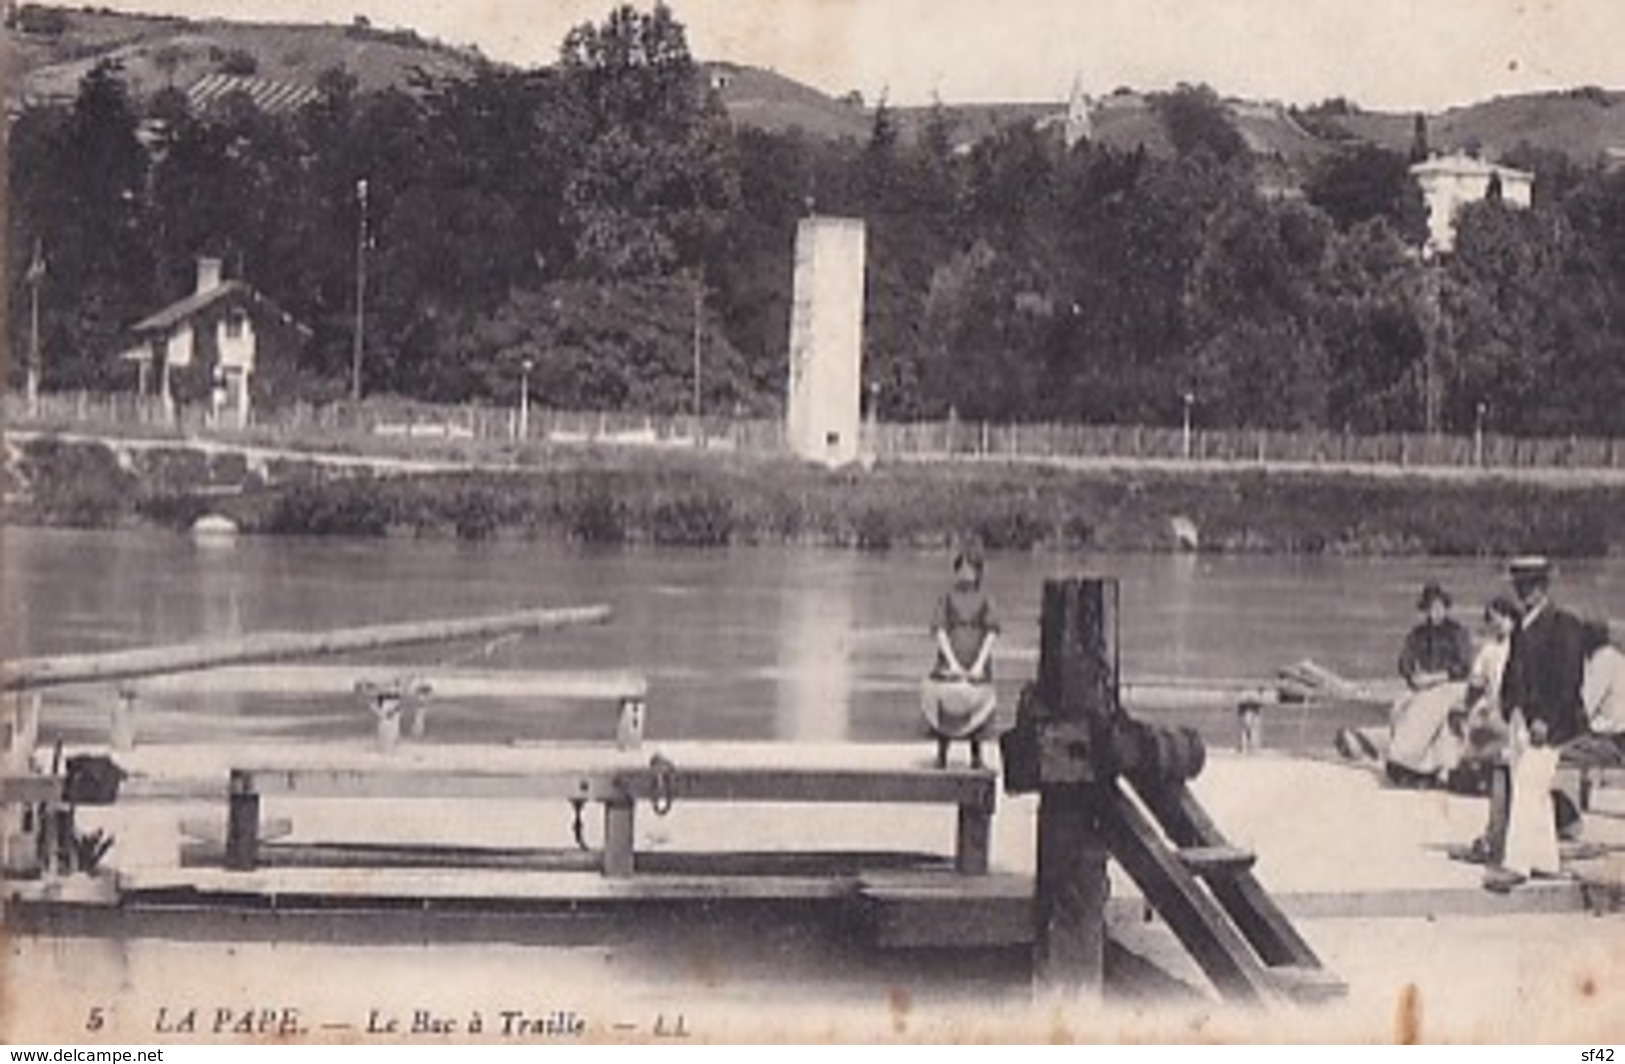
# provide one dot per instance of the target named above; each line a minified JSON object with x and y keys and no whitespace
{"x":1467,"y":166}
{"x":196,"y":303}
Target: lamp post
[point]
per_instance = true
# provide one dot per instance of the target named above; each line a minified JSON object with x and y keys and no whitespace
{"x":699,"y":346}
{"x":524,"y":399}
{"x":360,"y":290}
{"x":1185,"y":436}
{"x":1478,"y":433}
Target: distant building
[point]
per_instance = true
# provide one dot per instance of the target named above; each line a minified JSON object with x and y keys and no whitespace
{"x":826,"y":341}
{"x":1450,"y":181}
{"x":218,"y":336}
{"x":1079,"y":126}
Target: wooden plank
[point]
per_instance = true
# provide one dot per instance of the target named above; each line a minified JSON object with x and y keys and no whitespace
{"x":210,"y":853}
{"x":35,"y":673}
{"x":1216,"y":861}
{"x":1199,"y":923}
{"x":926,"y":785}
{"x":409,"y":783}
{"x":212,"y":830}
{"x":30,"y":788}
{"x":607,"y":685}
{"x":970,"y":787}
{"x":287,"y":886}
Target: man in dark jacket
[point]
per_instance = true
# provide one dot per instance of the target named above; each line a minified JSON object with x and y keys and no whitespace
{"x":1546,"y":664}
{"x":1544,"y":677}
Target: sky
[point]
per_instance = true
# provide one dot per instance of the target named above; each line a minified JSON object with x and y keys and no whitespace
{"x":1383,"y":54}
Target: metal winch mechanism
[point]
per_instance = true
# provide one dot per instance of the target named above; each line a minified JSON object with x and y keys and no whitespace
{"x":1071,"y":727}
{"x":1112,"y":787}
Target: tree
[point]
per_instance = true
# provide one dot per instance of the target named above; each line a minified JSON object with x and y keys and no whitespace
{"x":654,"y":179}
{"x":1258,"y":358}
{"x":1373,"y":329}
{"x":1196,"y":120}
{"x":83,"y":200}
{"x":1421,"y":151}
{"x":1369,"y":182}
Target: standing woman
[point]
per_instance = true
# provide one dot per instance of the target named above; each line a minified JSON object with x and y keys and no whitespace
{"x":958,"y":698}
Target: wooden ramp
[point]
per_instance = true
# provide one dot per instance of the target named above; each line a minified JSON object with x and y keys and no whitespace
{"x":1206,"y":891}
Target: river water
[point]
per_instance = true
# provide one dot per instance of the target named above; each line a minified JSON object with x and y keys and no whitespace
{"x":760,"y":643}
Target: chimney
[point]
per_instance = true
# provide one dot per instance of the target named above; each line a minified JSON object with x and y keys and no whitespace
{"x":208,"y":274}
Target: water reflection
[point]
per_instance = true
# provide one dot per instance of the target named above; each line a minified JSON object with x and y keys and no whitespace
{"x":815,"y":648}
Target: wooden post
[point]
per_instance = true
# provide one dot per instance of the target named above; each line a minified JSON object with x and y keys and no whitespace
{"x":1072,"y":888}
{"x":618,"y":838}
{"x":24,"y":737}
{"x":972,"y":840}
{"x":242,"y":823}
{"x":1077,"y":685}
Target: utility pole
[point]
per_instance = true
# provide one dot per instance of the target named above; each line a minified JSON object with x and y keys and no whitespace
{"x":360,"y":291}
{"x":36,"y":275}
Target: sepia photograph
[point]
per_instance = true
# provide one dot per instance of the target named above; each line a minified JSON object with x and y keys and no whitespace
{"x":553,"y":522}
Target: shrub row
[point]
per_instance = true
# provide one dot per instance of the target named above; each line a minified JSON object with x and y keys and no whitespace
{"x":714,"y":503}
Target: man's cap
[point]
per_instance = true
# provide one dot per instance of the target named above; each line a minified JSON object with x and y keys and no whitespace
{"x":1530,"y":565}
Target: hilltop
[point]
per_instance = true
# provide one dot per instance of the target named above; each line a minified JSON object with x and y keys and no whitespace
{"x":1584,"y":123}
{"x":156,"y":52}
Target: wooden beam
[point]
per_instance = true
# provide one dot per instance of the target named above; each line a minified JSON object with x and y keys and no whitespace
{"x":965,"y":786}
{"x":1241,"y":895}
{"x":599,"y":785}
{"x":587,"y":685}
{"x":29,"y":788}
{"x":1199,"y":923}
{"x":34,"y":673}
{"x":1077,"y":687}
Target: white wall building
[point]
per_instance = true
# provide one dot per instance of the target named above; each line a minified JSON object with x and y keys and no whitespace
{"x":222,"y":328}
{"x":1450,"y":181}
{"x":823,"y":414}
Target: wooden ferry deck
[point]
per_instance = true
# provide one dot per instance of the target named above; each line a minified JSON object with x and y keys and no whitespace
{"x":821,"y":900}
{"x":1331,"y":839}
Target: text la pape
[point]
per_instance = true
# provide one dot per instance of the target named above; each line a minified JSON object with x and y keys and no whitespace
{"x":280,"y":1020}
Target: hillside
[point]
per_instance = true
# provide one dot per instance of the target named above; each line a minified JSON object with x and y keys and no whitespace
{"x":157,"y":52}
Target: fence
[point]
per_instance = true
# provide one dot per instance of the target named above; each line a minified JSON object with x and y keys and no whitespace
{"x":404,"y":423}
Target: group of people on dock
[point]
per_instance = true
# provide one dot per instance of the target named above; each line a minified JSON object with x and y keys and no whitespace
{"x":1541,"y":700}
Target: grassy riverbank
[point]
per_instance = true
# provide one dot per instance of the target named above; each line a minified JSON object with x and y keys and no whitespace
{"x":703,"y":500}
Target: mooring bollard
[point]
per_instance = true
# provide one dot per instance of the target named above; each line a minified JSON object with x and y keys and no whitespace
{"x":629,"y":724}
{"x":1250,"y":719}
{"x":242,"y":823}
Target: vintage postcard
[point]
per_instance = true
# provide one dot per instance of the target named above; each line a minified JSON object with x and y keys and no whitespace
{"x":813,"y":522}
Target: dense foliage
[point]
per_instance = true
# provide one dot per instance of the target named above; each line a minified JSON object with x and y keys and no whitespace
{"x":589,"y":218}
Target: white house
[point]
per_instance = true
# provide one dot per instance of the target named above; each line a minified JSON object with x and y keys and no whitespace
{"x":1449,"y":181}
{"x":216,"y":335}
